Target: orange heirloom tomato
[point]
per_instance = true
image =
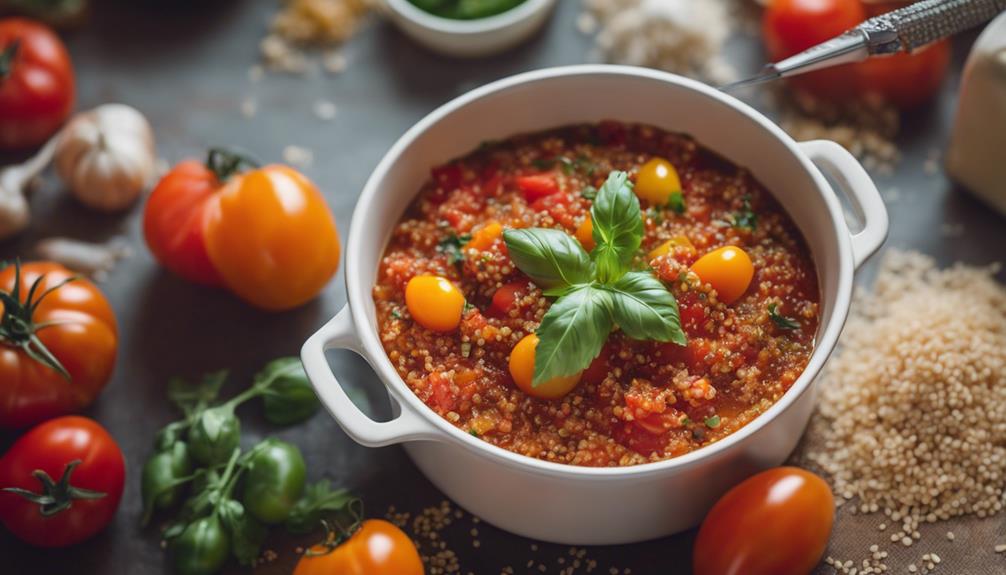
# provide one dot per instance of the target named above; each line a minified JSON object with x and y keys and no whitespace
{"x":434,"y":302}
{"x":377,"y":548}
{"x":266,"y":233}
{"x":56,"y":357}
{"x":729,"y":270}
{"x":522,"y":371}
{"x":585,"y":233}
{"x":774,"y":523}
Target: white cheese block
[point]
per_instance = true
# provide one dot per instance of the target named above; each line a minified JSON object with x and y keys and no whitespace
{"x":977,"y":155}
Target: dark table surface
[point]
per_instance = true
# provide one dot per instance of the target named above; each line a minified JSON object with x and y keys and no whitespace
{"x":185,"y":65}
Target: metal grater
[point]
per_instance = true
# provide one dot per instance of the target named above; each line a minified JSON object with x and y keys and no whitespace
{"x":899,"y":31}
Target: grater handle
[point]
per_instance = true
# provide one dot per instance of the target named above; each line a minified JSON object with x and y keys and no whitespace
{"x":925,"y":22}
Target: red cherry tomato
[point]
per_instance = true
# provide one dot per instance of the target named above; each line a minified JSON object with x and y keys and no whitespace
{"x":774,"y":523}
{"x":86,"y":465}
{"x":537,"y":186}
{"x":36,"y":83}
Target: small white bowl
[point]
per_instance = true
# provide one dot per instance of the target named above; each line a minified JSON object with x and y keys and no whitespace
{"x":469,"y":38}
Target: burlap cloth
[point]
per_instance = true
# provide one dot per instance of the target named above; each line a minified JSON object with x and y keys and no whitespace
{"x":972,"y":551}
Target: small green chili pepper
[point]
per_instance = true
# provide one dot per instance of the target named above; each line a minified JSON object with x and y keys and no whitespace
{"x":160,"y":485}
{"x":274,"y":479}
{"x":202,"y":548}
{"x":214,"y":435}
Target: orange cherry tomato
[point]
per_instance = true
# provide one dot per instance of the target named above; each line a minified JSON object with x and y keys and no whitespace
{"x":585,"y":233}
{"x":272,"y":238}
{"x":434,"y":302}
{"x":377,"y":548}
{"x":266,"y":234}
{"x":774,"y":523}
{"x":656,"y":181}
{"x":676,"y":242}
{"x":81,"y":335}
{"x":728,"y":269}
{"x":36,"y":83}
{"x":522,"y":371}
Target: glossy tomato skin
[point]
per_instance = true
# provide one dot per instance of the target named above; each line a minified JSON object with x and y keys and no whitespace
{"x":174,"y":221}
{"x":377,"y":548}
{"x":50,"y":447}
{"x":774,"y":523}
{"x":271,"y":237}
{"x":85,"y":341}
{"x":37,"y":93}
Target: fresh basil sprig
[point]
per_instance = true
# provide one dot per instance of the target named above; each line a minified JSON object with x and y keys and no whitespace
{"x":597,"y":291}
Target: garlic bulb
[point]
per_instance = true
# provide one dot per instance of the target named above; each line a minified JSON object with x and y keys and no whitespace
{"x":106,"y":156}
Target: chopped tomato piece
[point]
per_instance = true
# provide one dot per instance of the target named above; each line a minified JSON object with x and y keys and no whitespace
{"x":505,"y":296}
{"x":599,"y":368}
{"x":537,"y":186}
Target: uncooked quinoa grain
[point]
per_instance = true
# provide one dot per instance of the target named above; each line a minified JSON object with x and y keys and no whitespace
{"x":913,"y":405}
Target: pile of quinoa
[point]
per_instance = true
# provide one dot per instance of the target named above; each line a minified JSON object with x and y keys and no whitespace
{"x":913,"y":406}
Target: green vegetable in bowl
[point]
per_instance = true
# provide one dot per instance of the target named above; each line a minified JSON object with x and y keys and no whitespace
{"x":466,"y":9}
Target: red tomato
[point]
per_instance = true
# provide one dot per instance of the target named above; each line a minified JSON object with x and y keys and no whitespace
{"x":774,"y":523}
{"x":505,"y":296}
{"x":905,"y":80}
{"x":537,"y":186}
{"x":87,"y":467}
{"x":266,"y":233}
{"x":792,"y":26}
{"x":377,"y":548}
{"x":36,"y":83}
{"x":82,"y":337}
{"x":174,"y":221}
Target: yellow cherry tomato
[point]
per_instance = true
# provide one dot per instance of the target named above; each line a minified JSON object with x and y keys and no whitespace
{"x":522,"y":371}
{"x":656,"y":181}
{"x":483,"y":238}
{"x":728,"y":270}
{"x":665,"y":248}
{"x":434,"y":302}
{"x":585,"y":233}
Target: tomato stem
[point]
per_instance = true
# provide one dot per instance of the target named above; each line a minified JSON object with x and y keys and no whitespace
{"x":225,"y":163}
{"x":56,"y":496}
{"x":7,"y":58}
{"x":17,"y":327}
{"x":333,"y":538}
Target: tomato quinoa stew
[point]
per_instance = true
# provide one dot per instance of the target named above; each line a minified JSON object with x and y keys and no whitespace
{"x":602,"y":295}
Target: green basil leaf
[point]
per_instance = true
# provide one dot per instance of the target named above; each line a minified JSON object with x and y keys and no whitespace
{"x":781,"y":321}
{"x":676,"y":202}
{"x":618,"y":227}
{"x":572,"y":333}
{"x":645,"y":310}
{"x":190,"y":397}
{"x":317,"y":501}
{"x":549,"y":257}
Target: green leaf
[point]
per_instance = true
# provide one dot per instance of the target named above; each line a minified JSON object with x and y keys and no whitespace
{"x":318,"y":500}
{"x":781,"y":321}
{"x":645,"y":310}
{"x":618,"y":227}
{"x":453,"y":246}
{"x":287,"y":395}
{"x":745,"y":219}
{"x":188,"y":397}
{"x":589,"y":192}
{"x":713,"y":422}
{"x":246,"y":533}
{"x":572,"y":333}
{"x":552,"y":258}
{"x":676,"y":202}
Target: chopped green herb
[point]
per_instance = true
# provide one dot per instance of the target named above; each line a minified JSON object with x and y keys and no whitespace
{"x":677,"y":202}
{"x":473,"y":432}
{"x":396,"y":314}
{"x":597,"y":291}
{"x":713,"y":422}
{"x":453,"y":246}
{"x":589,"y":192}
{"x":781,"y":321}
{"x":745,"y":219}
{"x":686,"y":421}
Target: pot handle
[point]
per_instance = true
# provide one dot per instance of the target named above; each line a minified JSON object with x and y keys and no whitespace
{"x":853,"y":182}
{"x":340,"y":333}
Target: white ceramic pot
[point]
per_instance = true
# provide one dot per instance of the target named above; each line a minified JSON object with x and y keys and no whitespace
{"x":469,"y":38}
{"x":582,"y":505}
